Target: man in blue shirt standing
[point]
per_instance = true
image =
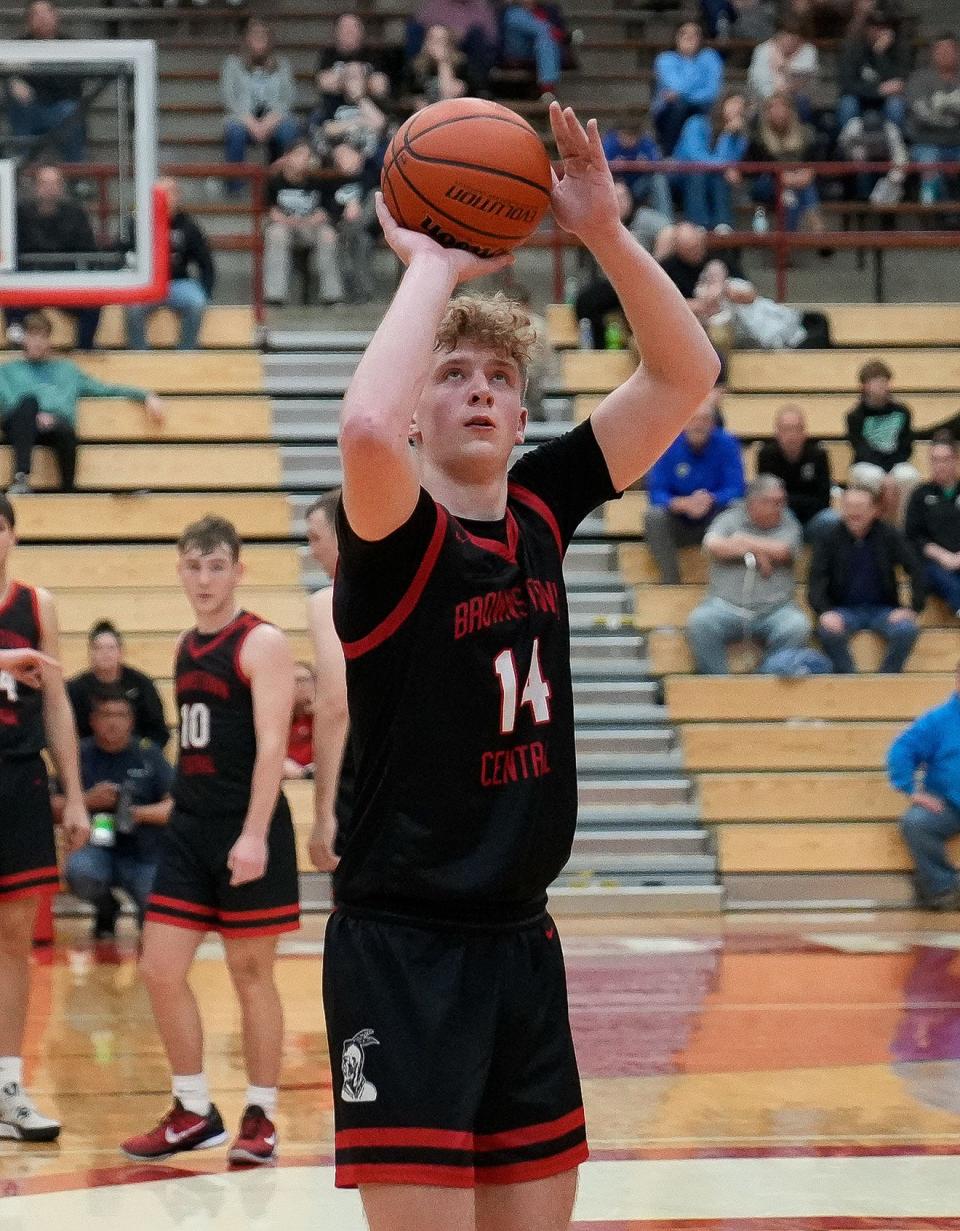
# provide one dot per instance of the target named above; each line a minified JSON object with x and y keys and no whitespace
{"x":698,"y":476}
{"x":933,"y":744}
{"x":126,"y":782}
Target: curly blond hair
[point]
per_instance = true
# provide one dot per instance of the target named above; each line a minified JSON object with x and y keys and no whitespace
{"x":493,"y":321}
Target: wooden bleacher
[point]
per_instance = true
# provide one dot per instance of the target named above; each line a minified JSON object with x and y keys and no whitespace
{"x":223,"y":328}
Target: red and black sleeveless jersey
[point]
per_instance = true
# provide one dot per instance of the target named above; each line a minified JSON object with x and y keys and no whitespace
{"x":457,"y":649}
{"x":21,"y":707}
{"x":218,"y":741}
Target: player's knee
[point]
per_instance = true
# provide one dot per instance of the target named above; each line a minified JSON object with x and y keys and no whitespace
{"x":249,"y":972}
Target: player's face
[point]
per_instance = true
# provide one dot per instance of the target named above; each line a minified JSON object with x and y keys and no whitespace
{"x":304,"y":689}
{"x":471,"y":412}
{"x":7,"y":540}
{"x":209,"y":580}
{"x":322,"y":538}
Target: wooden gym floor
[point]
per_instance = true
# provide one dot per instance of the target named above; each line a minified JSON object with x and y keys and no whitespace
{"x":747,"y":1073}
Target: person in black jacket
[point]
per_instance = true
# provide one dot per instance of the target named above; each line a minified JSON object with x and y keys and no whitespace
{"x":853,"y":584}
{"x":874,"y":67}
{"x":933,"y":521}
{"x":49,"y":222}
{"x":191,"y":278}
{"x":47,"y":104}
{"x":107,"y":668}
{"x":802,"y":466}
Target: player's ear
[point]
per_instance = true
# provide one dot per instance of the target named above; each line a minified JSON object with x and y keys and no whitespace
{"x":521,"y":426}
{"x":414,"y":435}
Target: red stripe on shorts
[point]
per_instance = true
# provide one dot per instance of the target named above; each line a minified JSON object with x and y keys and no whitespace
{"x":532,"y":1134}
{"x":272,"y":913}
{"x":354,"y":1174}
{"x":176,"y":921}
{"x":536,"y":1169}
{"x":190,"y":908}
{"x":412,"y":1138}
{"x":274,"y":929}
{"x":17,"y":878}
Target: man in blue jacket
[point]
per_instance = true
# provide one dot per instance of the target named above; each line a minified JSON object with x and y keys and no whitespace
{"x":933,"y":744}
{"x":698,"y":476}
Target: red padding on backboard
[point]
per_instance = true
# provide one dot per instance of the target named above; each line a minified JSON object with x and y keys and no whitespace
{"x":93,"y":297}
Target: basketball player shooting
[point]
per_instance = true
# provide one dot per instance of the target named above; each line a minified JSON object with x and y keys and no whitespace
{"x":456,"y":1092}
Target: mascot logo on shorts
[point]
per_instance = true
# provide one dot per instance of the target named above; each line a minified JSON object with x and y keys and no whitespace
{"x":356,"y":1088}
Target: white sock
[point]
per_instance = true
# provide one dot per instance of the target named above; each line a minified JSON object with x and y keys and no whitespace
{"x":11,"y":1070}
{"x":263,"y":1096}
{"x":193,"y":1093}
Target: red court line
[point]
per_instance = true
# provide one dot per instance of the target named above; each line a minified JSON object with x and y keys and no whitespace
{"x":838,"y":1223}
{"x":921,"y":1149}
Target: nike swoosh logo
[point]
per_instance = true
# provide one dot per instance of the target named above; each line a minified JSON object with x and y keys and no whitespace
{"x":549,"y":933}
{"x":270,"y":1141}
{"x":173,"y":1138}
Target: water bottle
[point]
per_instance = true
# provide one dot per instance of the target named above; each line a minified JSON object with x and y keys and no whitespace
{"x":761,"y":223}
{"x":613,"y":334}
{"x":101,"y":829}
{"x":123,"y":821}
{"x":585,"y":334}
{"x":570,"y":291}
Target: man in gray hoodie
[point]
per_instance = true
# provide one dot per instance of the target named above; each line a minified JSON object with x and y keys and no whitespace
{"x":933,"y":95}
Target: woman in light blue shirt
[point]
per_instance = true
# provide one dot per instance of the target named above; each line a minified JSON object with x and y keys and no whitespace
{"x":720,"y":137}
{"x":687,"y":82}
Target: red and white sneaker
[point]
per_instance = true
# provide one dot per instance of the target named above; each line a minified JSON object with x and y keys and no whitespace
{"x":179,"y":1130}
{"x":256,"y":1143}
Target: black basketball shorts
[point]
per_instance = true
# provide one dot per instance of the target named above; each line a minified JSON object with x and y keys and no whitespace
{"x":28,"y":855}
{"x":451,"y":1054}
{"x":192,"y":887}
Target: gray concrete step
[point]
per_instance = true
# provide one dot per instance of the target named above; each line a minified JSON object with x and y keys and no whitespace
{"x":659,"y":867}
{"x":815,"y":891}
{"x":594,"y":602}
{"x":600,"y":645}
{"x":635,"y":900}
{"x":625,"y":741}
{"x":610,"y":816}
{"x":614,"y":692}
{"x":588,"y":714}
{"x":627,"y":792}
{"x":649,"y":842}
{"x":628,"y":764}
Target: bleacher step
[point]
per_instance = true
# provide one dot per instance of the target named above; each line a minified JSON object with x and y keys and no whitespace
{"x":659,"y":866}
{"x":601,"y":645}
{"x":648,"y":842}
{"x":625,"y":741}
{"x":819,"y":890}
{"x":635,"y":899}
{"x":622,"y":793}
{"x":621,"y":764}
{"x":605,"y":715}
{"x":608,"y":816}
{"x":614,"y":692}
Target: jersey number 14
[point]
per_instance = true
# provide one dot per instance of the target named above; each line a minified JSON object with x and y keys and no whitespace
{"x":536,"y":691}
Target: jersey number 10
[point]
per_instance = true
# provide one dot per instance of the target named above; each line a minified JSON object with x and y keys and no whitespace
{"x":536,"y":691}
{"x":194,"y":725}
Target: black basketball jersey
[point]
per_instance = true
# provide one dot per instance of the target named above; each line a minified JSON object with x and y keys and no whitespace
{"x":218,"y":741}
{"x":21,"y":707}
{"x":460,"y":696}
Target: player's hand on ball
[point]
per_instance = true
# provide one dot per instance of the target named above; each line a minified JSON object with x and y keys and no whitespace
{"x":76,"y":824}
{"x":584,"y":199}
{"x":247,"y":860}
{"x":28,"y":666}
{"x":409,"y":244}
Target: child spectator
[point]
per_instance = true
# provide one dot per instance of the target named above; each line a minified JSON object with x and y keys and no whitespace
{"x":880,"y":431}
{"x":629,"y":143}
{"x":299,"y":759}
{"x":299,"y":221}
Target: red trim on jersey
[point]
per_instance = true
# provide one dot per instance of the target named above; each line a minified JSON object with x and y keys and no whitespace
{"x":388,"y":626}
{"x":45,"y":889}
{"x":410,"y":1138}
{"x":533,"y":501}
{"x":222,"y":635}
{"x":272,"y":913}
{"x":15,"y":878}
{"x":532,"y":1134}
{"x":14,"y":588}
{"x":352,"y":1175}
{"x":254,"y":622}
{"x":35,"y":605}
{"x":508,"y":550}
{"x":273,"y":930}
{"x":536,"y":1169}
{"x":176,"y":921}
{"x":192,"y":908}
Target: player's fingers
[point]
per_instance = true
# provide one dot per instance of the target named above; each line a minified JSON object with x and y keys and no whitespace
{"x":558,"y":125}
{"x":387,"y":220}
{"x":597,"y":156}
{"x":576,"y":130}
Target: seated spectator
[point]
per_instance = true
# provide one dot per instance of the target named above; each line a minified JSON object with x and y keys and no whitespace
{"x":752,"y":547}
{"x":780,"y":136}
{"x":257,"y":88}
{"x":38,"y":403}
{"x":754,"y":321}
{"x":747,"y":20}
{"x":298,"y":221}
{"x":299,"y":759}
{"x":41,"y":103}
{"x":873,"y":138}
{"x":695,"y":479}
{"x":108,"y":669}
{"x":349,"y":117}
{"x":802,"y":465}
{"x":873,"y":72}
{"x":880,"y":431}
{"x":853,"y":584}
{"x":50,"y":221}
{"x":933,"y":96}
{"x":721,"y":138}
{"x":683,"y":255}
{"x":349,"y":46}
{"x":191,"y":278}
{"x":438,"y":71}
{"x":351,"y":203}
{"x":129,"y":780}
{"x":929,"y":746}
{"x":629,"y":143}
{"x":473,"y":23}
{"x":785,"y":64}
{"x":686,"y":82}
{"x":538,"y":32}
{"x":933,"y":521}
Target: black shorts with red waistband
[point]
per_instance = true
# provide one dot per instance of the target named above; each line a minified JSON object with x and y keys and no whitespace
{"x":28,"y":855}
{"x":451,"y":1054}
{"x":192,"y":887}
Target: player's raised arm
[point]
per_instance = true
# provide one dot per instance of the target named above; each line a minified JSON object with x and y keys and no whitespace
{"x":61,"y":728}
{"x":380,"y":480}
{"x":679,"y":367}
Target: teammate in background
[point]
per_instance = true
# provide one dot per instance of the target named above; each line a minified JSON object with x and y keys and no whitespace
{"x":227,"y":860}
{"x":332,"y":759}
{"x":456,"y":1094}
{"x":298,"y":762}
{"x":34,"y":713}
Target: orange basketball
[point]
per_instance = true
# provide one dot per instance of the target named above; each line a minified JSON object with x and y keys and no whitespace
{"x":470,"y":173}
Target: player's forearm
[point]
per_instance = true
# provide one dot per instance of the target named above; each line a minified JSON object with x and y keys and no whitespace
{"x":62,"y":741}
{"x":264,"y":788}
{"x":673,"y":346}
{"x":388,"y":381}
{"x":329,"y":740}
{"x":153,"y":814}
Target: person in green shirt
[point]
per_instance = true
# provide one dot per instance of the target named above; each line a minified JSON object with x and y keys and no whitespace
{"x":38,"y":403}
